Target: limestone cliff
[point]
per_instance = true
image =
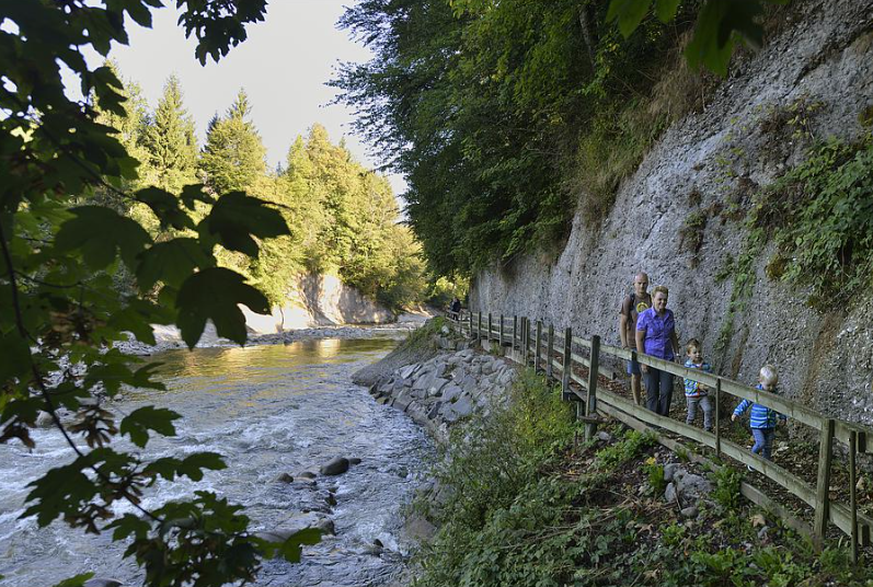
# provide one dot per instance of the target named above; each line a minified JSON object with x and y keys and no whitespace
{"x":706,"y":165}
{"x":319,"y":300}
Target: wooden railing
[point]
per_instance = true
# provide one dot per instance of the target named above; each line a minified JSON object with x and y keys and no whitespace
{"x":558,"y":353}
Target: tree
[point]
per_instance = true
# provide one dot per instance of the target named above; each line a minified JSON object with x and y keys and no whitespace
{"x":234,"y":156}
{"x":170,"y":141}
{"x":60,"y":244}
{"x":488,"y":107}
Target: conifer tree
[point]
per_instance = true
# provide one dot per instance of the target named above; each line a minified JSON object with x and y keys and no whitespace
{"x":170,"y":141}
{"x":234,"y":156}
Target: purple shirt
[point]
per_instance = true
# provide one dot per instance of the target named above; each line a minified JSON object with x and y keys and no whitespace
{"x":658,"y":331}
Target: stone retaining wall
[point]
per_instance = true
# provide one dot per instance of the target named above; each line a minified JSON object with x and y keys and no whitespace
{"x":447,"y":388}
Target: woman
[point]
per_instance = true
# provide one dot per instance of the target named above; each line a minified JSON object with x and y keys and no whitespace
{"x":656,"y":336}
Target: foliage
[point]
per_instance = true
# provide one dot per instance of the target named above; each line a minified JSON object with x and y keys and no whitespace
{"x":506,"y":116}
{"x":727,"y":487}
{"x":69,"y":182}
{"x":820,"y":215}
{"x":170,"y":142}
{"x":555,"y":517}
{"x":233,"y":157}
{"x":720,"y":25}
{"x":655,"y":473}
{"x":626,"y":449}
{"x":483,"y":107}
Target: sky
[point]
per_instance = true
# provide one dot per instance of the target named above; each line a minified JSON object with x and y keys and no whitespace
{"x":283,"y":67}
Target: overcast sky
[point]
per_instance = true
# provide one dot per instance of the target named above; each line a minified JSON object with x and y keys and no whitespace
{"x":283,"y":66}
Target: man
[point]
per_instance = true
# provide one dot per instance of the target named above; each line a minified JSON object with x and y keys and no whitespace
{"x":631,"y":306}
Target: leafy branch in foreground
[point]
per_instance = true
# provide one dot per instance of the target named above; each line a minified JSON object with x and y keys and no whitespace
{"x":65,"y":177}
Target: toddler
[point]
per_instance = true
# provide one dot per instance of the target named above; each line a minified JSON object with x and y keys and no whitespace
{"x":695,"y":393}
{"x":762,"y":419}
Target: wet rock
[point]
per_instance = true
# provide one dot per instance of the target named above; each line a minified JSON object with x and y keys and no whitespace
{"x":305,"y":475}
{"x":285,"y":478}
{"x":335,"y":466}
{"x":354,"y":461}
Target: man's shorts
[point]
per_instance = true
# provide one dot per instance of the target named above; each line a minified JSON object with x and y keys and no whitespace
{"x":633,"y":367}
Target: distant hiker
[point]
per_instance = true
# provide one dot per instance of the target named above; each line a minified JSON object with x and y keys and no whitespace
{"x":696,"y":393}
{"x":656,"y":336}
{"x":762,"y":420}
{"x":455,"y":309}
{"x":638,"y":301}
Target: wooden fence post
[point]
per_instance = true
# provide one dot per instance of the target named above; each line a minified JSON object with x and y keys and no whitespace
{"x":514,"y":331}
{"x":489,"y":327}
{"x":471,"y":324}
{"x":717,"y":418}
{"x":822,"y":497}
{"x":501,"y":333}
{"x":525,"y":333}
{"x":853,"y":493}
{"x":591,"y":400}
{"x":567,"y":364}
{"x":550,"y":343}
{"x":479,"y":328}
{"x":537,"y":345}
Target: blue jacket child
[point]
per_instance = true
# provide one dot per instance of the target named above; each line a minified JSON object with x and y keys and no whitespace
{"x":762,"y":419}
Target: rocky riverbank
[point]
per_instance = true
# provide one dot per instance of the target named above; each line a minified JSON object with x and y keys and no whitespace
{"x":446,"y":388}
{"x":169,"y":338}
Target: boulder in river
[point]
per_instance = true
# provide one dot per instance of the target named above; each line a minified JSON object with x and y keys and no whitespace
{"x":285,"y":478}
{"x":336,"y":466}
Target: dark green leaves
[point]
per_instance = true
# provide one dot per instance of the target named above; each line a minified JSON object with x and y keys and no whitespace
{"x":14,"y":356}
{"x":140,"y":421}
{"x":236,"y":217}
{"x":101,"y":234}
{"x":213,"y":294}
{"x":628,"y":14}
{"x":713,"y":40}
{"x":166,"y":207}
{"x":172,"y":261}
{"x":191,"y":467}
{"x":291,"y":547}
{"x":718,"y":21}
{"x":77,"y":581}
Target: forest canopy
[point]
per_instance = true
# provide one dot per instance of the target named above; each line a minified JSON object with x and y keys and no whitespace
{"x":505,"y":116}
{"x":343,"y":218}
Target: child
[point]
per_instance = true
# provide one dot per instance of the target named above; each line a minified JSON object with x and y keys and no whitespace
{"x":762,"y":419}
{"x":695,"y":393}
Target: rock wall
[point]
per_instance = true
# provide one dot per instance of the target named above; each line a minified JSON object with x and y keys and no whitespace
{"x":319,"y":300}
{"x":706,"y":162}
{"x":446,"y":388}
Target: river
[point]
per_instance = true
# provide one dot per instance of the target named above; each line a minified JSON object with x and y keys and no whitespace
{"x":269,"y":410}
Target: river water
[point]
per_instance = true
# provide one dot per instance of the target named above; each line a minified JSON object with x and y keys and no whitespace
{"x":269,"y":410}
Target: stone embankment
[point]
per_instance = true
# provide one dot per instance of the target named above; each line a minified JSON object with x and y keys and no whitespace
{"x":448,"y":387}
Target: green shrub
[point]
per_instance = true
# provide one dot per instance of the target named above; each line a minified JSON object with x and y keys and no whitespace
{"x":820,"y":215}
{"x":727,"y":487}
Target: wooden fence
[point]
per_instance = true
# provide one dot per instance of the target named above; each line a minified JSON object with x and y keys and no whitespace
{"x":558,"y":353}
